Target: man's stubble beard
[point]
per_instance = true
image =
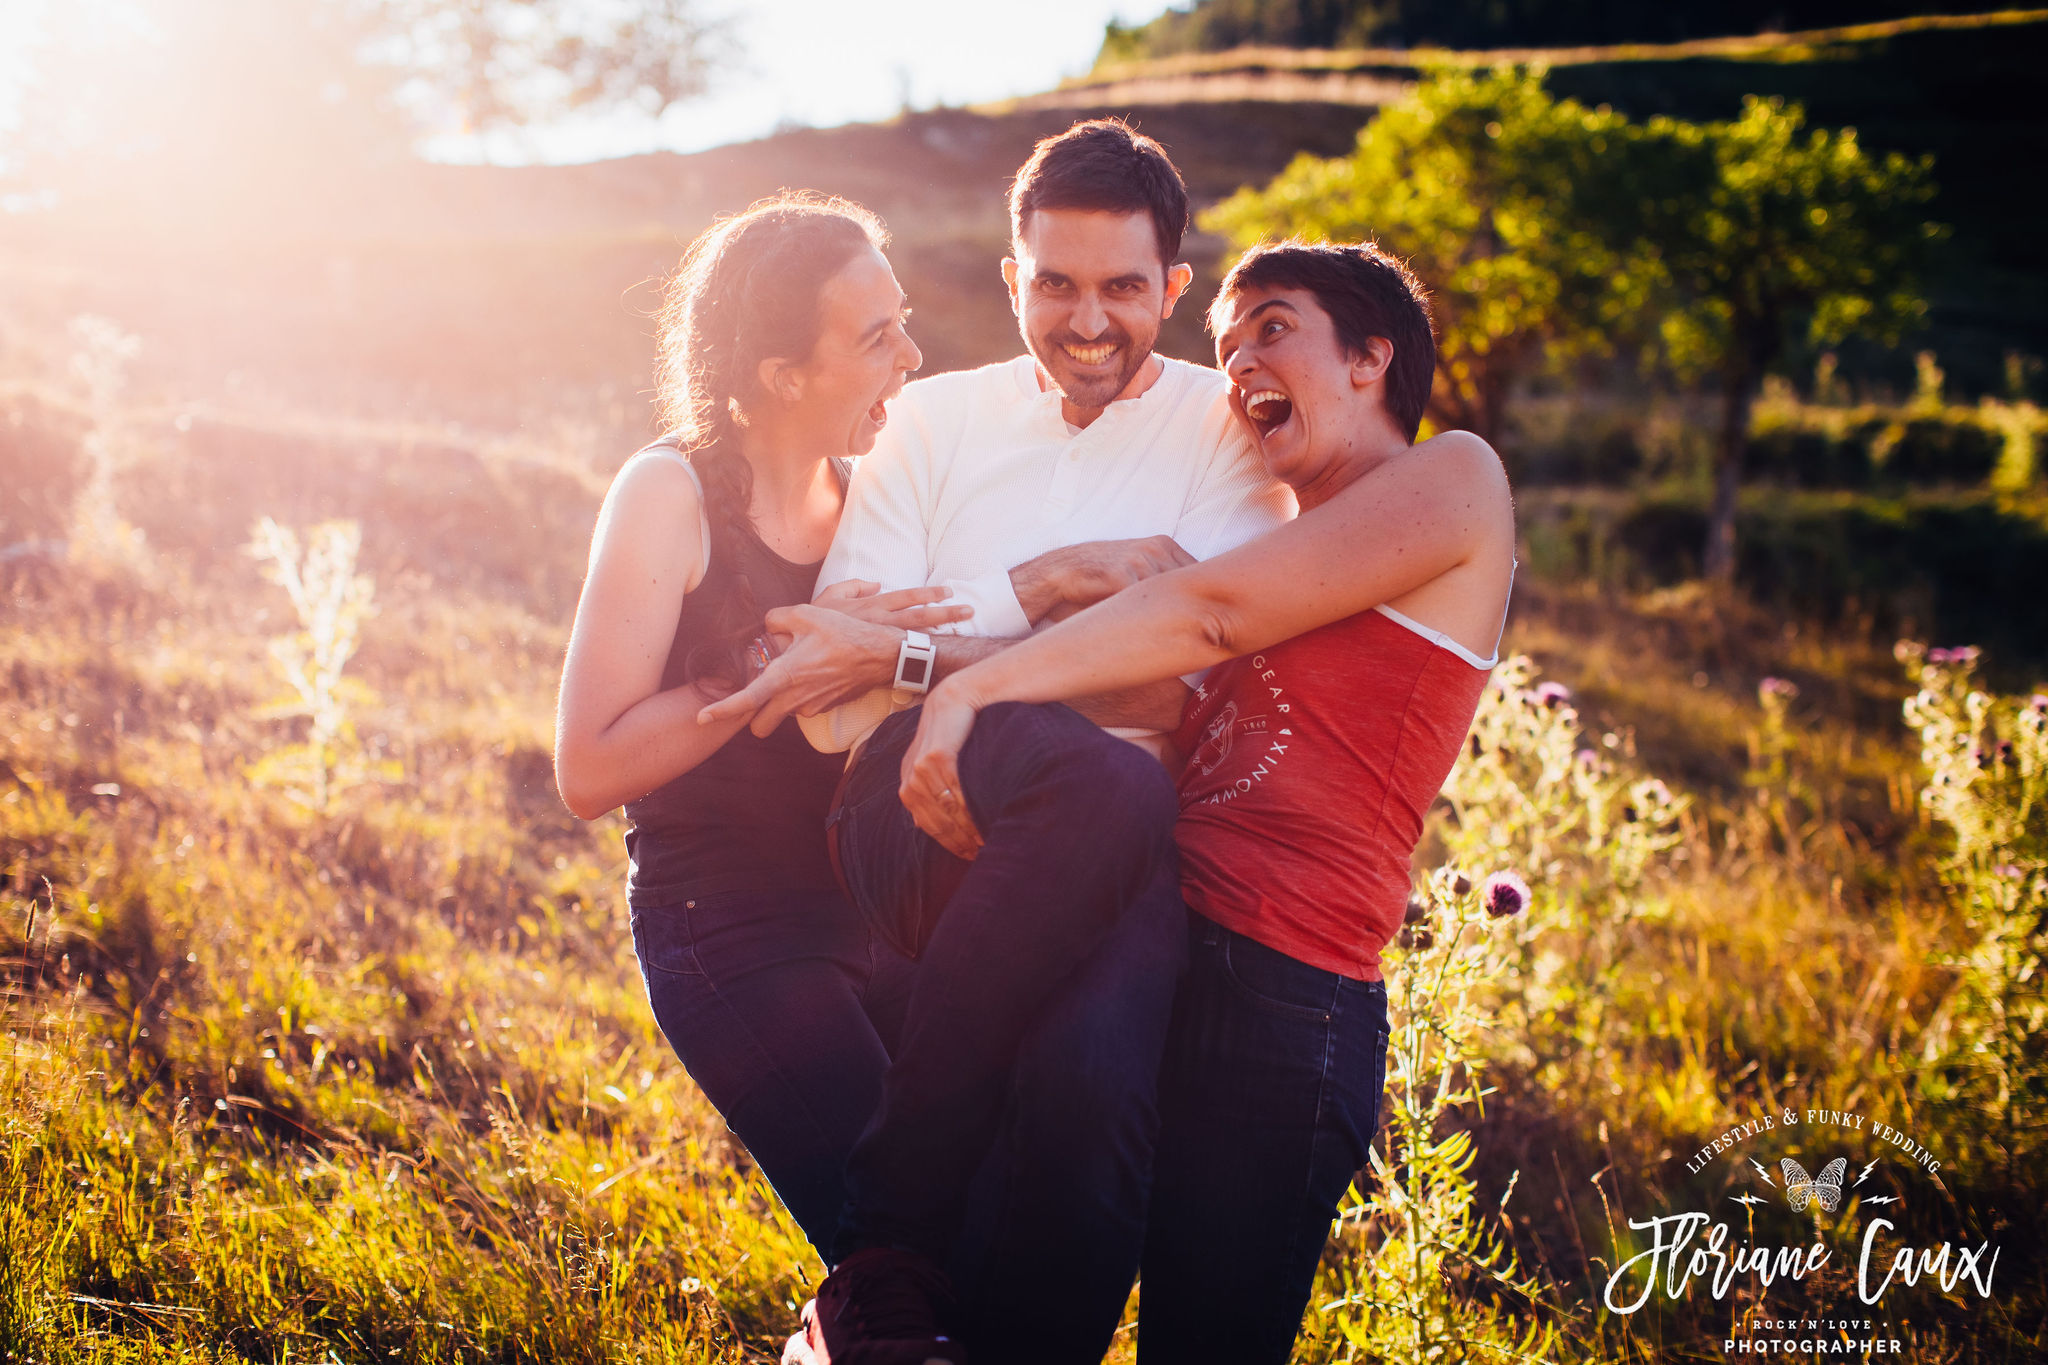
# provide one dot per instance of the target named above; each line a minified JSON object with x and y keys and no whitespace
{"x":1088,"y":393}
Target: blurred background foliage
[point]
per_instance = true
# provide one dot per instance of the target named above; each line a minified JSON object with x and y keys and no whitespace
{"x":365,"y":1072}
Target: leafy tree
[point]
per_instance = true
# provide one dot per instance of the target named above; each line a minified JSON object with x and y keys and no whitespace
{"x":1548,"y":230}
{"x":1494,"y":192}
{"x":1763,"y":235}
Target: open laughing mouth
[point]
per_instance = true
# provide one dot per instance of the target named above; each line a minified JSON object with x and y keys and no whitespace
{"x":1094,"y":353}
{"x":879,"y":413}
{"x":1269,"y":410}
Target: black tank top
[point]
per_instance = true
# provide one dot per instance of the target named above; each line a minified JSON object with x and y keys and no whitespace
{"x":751,"y":817}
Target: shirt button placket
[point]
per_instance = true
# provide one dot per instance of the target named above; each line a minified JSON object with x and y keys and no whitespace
{"x":1066,"y":469}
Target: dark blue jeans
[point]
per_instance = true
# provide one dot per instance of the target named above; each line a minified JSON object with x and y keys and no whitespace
{"x":1269,"y":1099}
{"x":782,"y":1006}
{"x":1015,"y":1133}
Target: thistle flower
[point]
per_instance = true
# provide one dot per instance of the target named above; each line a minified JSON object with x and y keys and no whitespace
{"x":1504,"y":894}
{"x":1460,"y":883}
{"x":1777,"y":687}
{"x":1552,"y":695}
{"x":1417,"y":911}
{"x":1587,"y":759}
{"x":2038,"y":704}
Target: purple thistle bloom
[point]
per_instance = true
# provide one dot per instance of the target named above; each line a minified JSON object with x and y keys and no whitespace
{"x":1939,"y":656}
{"x":2009,"y":870}
{"x":1552,"y":694}
{"x":1777,"y":687}
{"x":1588,"y":759}
{"x":1504,"y":894}
{"x":2039,"y":702}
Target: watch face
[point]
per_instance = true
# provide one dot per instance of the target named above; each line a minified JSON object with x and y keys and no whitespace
{"x":916,"y":672}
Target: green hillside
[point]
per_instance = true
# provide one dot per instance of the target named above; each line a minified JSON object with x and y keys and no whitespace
{"x":1218,"y":25}
{"x":1959,"y":87}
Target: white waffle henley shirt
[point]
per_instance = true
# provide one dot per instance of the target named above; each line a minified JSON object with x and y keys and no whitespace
{"x":978,"y":471}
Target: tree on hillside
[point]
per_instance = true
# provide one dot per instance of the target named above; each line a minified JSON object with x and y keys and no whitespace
{"x":1498,"y":196}
{"x":1762,"y":237}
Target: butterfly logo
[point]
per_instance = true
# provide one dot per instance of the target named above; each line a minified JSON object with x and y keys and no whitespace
{"x":1825,"y":1189}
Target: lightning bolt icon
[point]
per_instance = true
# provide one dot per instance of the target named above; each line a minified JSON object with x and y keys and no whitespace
{"x":1866,"y":1174}
{"x":1883,"y":1199}
{"x":1746,"y":1199}
{"x":1764,"y":1173}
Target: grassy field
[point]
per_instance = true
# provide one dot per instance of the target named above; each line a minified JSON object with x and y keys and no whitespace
{"x":377,"y":1081}
{"x":369,"y":1076}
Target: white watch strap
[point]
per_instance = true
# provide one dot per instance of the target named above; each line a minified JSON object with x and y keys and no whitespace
{"x":914,"y":661}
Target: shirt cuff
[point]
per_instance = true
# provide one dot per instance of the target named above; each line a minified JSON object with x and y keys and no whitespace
{"x":844,"y":726}
{"x":997,"y":612}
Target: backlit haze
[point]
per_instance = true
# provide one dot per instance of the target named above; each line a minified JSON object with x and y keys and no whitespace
{"x":827,"y":62}
{"x":794,"y":62}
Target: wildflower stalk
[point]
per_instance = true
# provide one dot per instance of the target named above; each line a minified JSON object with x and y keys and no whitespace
{"x":331,"y":600}
{"x":100,"y":365}
{"x":1435,"y":1281}
{"x":1987,"y":763}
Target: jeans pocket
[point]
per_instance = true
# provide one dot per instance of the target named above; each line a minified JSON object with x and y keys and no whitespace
{"x":663,"y":942}
{"x":1277,"y":982}
{"x":883,"y":867}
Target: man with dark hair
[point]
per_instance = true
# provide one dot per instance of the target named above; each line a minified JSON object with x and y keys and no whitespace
{"x":1103,"y":164}
{"x":1013,"y":1144}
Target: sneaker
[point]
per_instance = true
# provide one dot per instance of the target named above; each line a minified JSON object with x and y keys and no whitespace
{"x":806,"y":1347}
{"x":883,"y":1307}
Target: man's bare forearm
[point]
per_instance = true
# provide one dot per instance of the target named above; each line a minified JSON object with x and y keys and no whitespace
{"x":1148,"y":706}
{"x":958,"y":651}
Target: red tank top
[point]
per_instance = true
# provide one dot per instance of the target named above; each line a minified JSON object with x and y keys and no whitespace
{"x":1310,"y":768}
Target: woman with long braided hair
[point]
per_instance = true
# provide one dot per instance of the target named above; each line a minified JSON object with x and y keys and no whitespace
{"x":782,"y":338}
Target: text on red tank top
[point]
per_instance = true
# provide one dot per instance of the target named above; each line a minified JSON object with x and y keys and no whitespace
{"x":1310,"y":768}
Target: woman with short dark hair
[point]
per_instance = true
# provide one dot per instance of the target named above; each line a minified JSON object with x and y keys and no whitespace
{"x":1347,"y":653}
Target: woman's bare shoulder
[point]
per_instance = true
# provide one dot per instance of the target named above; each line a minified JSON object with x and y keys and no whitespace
{"x":1463,"y":450}
{"x":657,"y":472}
{"x":654,"y":515}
